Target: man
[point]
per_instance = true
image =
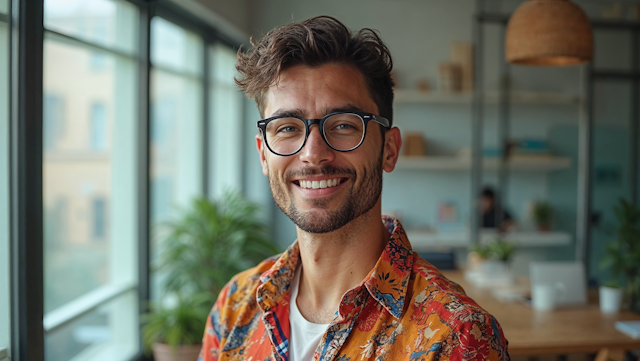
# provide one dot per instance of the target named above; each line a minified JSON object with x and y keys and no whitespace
{"x":494,"y":215}
{"x":350,"y":288}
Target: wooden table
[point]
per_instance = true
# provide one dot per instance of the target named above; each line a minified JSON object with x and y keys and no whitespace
{"x":576,"y":329}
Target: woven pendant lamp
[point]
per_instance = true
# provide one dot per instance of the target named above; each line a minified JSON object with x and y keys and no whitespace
{"x":549,"y":33}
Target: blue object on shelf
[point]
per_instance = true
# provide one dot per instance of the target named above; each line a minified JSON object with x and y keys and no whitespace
{"x":492,"y":152}
{"x":532,"y":145}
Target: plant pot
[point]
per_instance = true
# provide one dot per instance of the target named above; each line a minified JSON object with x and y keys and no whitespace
{"x":610,"y":299}
{"x":164,"y":352}
{"x":474,"y":261}
{"x":495,"y":268}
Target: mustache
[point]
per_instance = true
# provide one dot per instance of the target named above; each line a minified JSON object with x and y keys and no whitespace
{"x":326,"y":170}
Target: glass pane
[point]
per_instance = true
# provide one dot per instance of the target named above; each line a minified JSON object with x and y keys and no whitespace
{"x":225,"y":160}
{"x":175,"y":48}
{"x":89,"y":185}
{"x":176,"y":144}
{"x":4,"y":6}
{"x":176,"y":149}
{"x":108,"y":333}
{"x":611,"y":162}
{"x":104,"y":22}
{"x":4,"y":186}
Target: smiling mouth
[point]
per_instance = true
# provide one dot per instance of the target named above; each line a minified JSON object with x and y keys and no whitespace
{"x":318,"y":184}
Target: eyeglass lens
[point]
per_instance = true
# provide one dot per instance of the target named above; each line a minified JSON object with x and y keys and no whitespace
{"x":342,"y":132}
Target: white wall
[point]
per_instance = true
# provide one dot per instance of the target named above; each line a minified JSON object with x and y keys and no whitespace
{"x":227,"y":17}
{"x":236,"y":11}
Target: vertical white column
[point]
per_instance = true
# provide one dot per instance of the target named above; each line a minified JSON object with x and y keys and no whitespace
{"x":226,"y":130}
{"x":189,"y":151}
{"x":122,"y":210}
{"x":4,"y":186}
{"x":122,"y":231}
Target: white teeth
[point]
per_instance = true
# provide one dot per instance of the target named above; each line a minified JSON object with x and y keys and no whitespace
{"x":325,"y":183}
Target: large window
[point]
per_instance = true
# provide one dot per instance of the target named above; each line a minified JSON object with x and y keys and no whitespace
{"x":89,"y":179}
{"x":4,"y":180}
{"x":121,"y":154}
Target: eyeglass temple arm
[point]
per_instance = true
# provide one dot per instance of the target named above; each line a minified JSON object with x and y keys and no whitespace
{"x":380,"y":120}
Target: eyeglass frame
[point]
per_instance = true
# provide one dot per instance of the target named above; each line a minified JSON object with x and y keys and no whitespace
{"x":366,"y":117}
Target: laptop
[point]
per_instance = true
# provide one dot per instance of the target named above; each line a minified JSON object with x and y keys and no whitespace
{"x":571,"y":275}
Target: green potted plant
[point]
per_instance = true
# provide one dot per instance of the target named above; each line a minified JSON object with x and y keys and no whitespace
{"x":476,"y":257}
{"x":499,"y":254}
{"x":175,"y":333}
{"x":542,"y":215}
{"x":489,"y":264}
{"x":501,"y":250}
{"x":611,"y":295}
{"x":622,"y":255}
{"x":200,"y":250}
{"x":482,"y":251}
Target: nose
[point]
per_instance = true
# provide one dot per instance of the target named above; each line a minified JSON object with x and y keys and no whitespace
{"x":316,"y":151}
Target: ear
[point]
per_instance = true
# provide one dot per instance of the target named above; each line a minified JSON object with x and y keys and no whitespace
{"x":392,"y":144}
{"x":261,"y":149}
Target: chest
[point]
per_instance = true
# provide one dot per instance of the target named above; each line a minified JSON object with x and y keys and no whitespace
{"x":372,"y":334}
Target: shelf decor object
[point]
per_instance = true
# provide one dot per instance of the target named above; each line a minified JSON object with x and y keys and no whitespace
{"x":462,"y":54}
{"x":549,"y":33}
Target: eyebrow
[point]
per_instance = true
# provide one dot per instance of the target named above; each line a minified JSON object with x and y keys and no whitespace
{"x":299,"y":113}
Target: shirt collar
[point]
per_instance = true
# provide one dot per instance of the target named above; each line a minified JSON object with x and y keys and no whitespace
{"x":387,"y":282}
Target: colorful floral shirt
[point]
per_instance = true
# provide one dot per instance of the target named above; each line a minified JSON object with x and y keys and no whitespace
{"x":403,"y":310}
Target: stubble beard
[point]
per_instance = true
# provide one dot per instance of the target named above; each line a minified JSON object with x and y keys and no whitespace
{"x":358,"y":202}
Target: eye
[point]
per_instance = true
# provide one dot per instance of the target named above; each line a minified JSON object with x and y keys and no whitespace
{"x":287,"y":129}
{"x":344,"y":126}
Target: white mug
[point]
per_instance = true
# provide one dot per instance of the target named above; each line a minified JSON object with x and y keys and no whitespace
{"x":545,"y":296}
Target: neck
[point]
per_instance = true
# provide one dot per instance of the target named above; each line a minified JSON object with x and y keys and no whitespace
{"x":333,"y":263}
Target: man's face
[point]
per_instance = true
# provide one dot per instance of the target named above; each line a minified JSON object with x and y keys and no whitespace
{"x":313,"y":93}
{"x":486,"y":203}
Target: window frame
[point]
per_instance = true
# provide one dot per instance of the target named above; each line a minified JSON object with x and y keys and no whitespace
{"x":5,"y":338}
{"x":28,"y":322}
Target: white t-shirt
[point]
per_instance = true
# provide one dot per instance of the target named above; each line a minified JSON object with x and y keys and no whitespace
{"x":305,"y":335}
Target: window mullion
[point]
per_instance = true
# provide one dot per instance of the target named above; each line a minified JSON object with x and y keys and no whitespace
{"x":26,"y":181}
{"x":143,"y":176}
{"x":206,"y":86}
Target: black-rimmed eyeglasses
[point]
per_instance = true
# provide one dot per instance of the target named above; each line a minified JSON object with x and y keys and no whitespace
{"x":343,"y":131}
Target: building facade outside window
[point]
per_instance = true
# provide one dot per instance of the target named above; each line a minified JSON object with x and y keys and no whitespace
{"x":52,"y":118}
{"x":99,"y":214}
{"x":89,"y":179}
{"x":98,"y":126}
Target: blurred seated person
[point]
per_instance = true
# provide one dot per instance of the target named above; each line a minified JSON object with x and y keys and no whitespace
{"x":494,"y":215}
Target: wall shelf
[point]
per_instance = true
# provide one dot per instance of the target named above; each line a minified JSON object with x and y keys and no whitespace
{"x":456,"y":163}
{"x":424,"y":240}
{"x":405,"y":96}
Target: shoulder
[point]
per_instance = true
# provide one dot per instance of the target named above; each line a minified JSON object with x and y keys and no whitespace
{"x":472,"y":331}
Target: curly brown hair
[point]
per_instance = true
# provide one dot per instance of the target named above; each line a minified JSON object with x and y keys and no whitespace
{"x":314,"y":42}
